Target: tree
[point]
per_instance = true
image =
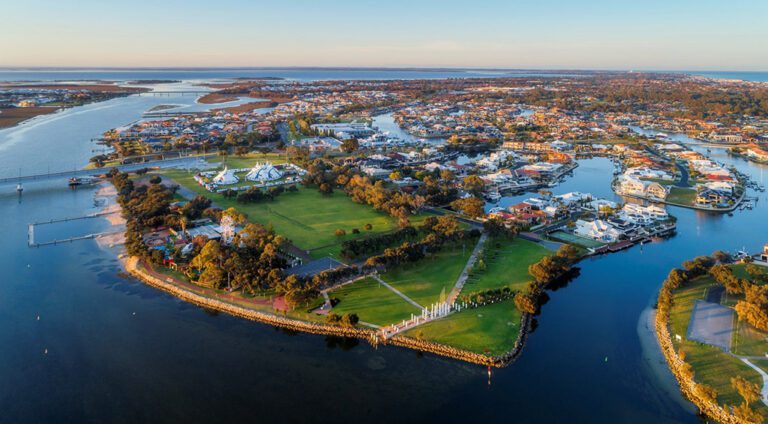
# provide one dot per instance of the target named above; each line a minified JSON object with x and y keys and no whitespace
{"x":155,"y":179}
{"x":350,"y":145}
{"x":749,"y":391}
{"x":471,"y":206}
{"x":368,"y":227}
{"x":395,"y":175}
{"x":210,"y":253}
{"x":526,"y":303}
{"x":568,"y":253}
{"x":474,"y":185}
{"x":350,"y":320}
{"x":326,"y":189}
{"x":238,"y":217}
{"x":339,"y":232}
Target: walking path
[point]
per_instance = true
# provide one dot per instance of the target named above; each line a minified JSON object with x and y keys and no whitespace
{"x":454,"y":294}
{"x":397,"y":292}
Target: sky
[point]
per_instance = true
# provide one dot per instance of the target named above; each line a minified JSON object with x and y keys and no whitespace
{"x":520,"y":34}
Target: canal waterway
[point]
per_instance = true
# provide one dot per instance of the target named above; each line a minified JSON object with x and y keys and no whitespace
{"x":83,"y":343}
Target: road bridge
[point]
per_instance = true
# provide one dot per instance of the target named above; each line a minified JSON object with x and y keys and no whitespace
{"x":165,"y":163}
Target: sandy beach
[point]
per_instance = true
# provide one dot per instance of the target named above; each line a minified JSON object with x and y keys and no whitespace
{"x":108,"y":195}
{"x":654,"y":364}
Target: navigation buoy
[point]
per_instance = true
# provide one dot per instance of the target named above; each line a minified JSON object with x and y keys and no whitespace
{"x":606,"y":359}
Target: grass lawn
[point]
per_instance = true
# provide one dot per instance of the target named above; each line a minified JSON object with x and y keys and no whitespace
{"x":306,"y":217}
{"x":506,"y":264}
{"x":425,"y":280}
{"x":682,"y":196}
{"x":711,"y":365}
{"x":490,"y":330}
{"x":372,"y":302}
{"x":749,"y":341}
{"x":248,"y":160}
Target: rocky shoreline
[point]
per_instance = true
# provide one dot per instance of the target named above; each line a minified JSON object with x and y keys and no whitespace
{"x":687,"y":385}
{"x":370,"y":335}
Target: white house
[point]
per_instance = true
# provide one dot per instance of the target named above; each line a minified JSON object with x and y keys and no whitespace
{"x":597,"y":230}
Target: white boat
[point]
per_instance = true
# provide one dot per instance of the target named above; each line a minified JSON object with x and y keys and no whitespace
{"x":493,"y":196}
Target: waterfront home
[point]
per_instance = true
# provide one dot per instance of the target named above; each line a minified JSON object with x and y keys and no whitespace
{"x":648,"y":173}
{"x":712,"y":198}
{"x":757,"y":154}
{"x":597,"y":229}
{"x":572,"y":198}
{"x":642,"y":215}
{"x":602,"y":204}
{"x":630,"y":186}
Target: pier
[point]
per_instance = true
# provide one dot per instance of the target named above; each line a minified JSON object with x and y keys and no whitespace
{"x":31,"y":230}
{"x":32,"y":243}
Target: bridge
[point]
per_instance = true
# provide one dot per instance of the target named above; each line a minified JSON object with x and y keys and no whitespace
{"x":165,"y":163}
{"x":175,"y":93}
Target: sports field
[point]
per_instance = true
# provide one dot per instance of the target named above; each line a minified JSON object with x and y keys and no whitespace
{"x":372,"y":302}
{"x":306,"y":217}
{"x":506,"y":265}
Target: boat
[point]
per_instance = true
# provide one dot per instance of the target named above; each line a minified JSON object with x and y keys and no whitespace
{"x":75,"y":181}
{"x":19,"y":188}
{"x":493,"y":196}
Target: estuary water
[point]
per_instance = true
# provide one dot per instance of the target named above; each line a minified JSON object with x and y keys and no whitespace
{"x":82,"y":343}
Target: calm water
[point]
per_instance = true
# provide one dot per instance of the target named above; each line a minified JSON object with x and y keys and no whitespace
{"x":307,"y":74}
{"x":298,"y":74}
{"x":121,"y":351}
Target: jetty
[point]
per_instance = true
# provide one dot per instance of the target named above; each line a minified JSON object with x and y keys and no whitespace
{"x":31,"y":242}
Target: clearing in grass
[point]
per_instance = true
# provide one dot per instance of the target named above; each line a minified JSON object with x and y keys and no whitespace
{"x":372,"y":302}
{"x":489,"y":330}
{"x":424,"y":281}
{"x":505,"y":264}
